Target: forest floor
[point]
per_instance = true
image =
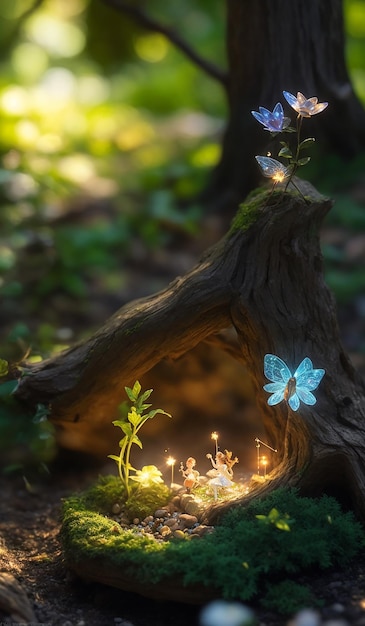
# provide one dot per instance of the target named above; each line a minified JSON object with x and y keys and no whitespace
{"x":45,"y":593}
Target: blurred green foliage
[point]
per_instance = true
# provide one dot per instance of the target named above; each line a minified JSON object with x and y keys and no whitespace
{"x":105,"y":129}
{"x":26,"y":437}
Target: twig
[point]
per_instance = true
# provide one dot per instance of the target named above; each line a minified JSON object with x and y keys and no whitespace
{"x":151,"y":24}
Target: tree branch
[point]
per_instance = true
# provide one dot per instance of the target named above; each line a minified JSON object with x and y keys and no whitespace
{"x":8,"y":43}
{"x":151,"y":24}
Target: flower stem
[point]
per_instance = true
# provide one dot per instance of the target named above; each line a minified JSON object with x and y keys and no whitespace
{"x":295,"y":161}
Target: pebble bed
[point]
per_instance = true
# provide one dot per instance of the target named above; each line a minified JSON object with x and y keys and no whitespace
{"x":178,"y":520}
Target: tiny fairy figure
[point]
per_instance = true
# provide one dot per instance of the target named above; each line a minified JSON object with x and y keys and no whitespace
{"x":190,"y":474}
{"x":223,"y":472}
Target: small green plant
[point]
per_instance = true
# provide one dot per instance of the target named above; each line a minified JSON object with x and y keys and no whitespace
{"x":282,"y":522}
{"x":136,"y":418}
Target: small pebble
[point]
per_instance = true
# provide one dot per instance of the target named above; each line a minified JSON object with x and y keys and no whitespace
{"x":179,"y":534}
{"x":116,"y":508}
{"x":165,"y":531}
{"x":187,"y":521}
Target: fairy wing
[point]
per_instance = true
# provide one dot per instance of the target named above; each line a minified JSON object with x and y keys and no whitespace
{"x":276,"y":370}
{"x":308,"y":378}
{"x":306,"y":396}
{"x":269,"y":166}
{"x":294,"y":401}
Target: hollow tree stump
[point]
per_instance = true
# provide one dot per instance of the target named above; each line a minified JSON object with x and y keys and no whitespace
{"x":264,"y":279}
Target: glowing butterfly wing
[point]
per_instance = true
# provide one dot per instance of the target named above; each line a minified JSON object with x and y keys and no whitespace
{"x":275,"y":369}
{"x":302,"y":370}
{"x":270,"y":167}
{"x":278,"y":372}
{"x":307,"y":377}
{"x":276,"y":397}
{"x":306,"y":396}
{"x":294,"y":401}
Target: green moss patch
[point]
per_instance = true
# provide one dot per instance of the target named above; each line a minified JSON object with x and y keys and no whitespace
{"x":241,"y":559}
{"x":249,"y":210}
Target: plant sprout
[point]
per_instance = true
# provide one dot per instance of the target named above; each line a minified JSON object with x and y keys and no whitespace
{"x":136,"y":418}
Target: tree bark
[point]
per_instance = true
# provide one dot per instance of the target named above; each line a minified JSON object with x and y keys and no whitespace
{"x":265,"y":279}
{"x":274,"y":45}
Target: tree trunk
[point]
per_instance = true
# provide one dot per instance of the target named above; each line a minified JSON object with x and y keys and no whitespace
{"x":264,"y":278}
{"x":275,"y":45}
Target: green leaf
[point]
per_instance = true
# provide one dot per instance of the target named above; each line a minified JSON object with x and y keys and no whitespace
{"x":114,"y":457}
{"x":145,"y":395}
{"x":282,"y":525}
{"x":4,"y":367}
{"x":133,"y":416}
{"x":304,"y":161}
{"x":135,"y":439}
{"x":127,"y":429}
{"x":136,"y":389}
{"x":144,"y":407}
{"x":286,"y":153}
{"x":306,"y":142}
{"x":152,"y":414}
{"x":119,"y":423}
{"x":122,"y":441}
{"x":274,"y":515}
{"x":129,"y":393}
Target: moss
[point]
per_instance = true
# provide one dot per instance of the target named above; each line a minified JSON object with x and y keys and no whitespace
{"x":101,"y":496}
{"x":145,"y":502}
{"x":259,"y":199}
{"x":244,"y":554}
{"x":109,"y":490}
{"x":249,"y":210}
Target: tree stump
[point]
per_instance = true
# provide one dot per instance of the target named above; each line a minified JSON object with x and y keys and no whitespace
{"x":265,"y":280}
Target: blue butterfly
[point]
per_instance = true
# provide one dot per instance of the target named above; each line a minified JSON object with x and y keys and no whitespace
{"x":291,"y":387}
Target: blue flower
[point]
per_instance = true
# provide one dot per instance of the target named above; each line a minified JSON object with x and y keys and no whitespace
{"x":275,"y":121}
{"x":291,"y":387}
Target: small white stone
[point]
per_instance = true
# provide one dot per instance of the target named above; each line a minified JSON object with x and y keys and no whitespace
{"x":220,"y":612}
{"x":306,"y":617}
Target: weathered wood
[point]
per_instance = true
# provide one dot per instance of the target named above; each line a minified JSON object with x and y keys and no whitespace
{"x":265,"y":279}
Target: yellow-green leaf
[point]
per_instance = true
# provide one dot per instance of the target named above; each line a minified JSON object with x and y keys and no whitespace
{"x":4,"y":367}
